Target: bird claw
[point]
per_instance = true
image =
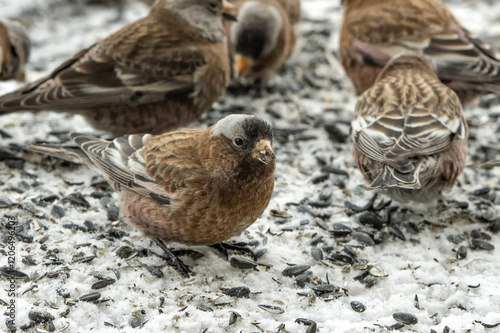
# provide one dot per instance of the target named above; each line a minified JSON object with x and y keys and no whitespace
{"x":173,"y":261}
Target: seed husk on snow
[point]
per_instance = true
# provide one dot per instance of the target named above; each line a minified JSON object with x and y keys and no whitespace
{"x":271,"y":308}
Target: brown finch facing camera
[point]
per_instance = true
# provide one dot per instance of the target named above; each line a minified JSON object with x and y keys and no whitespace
{"x":373,"y":31}
{"x":153,"y":75}
{"x":262,"y":39}
{"x":190,"y":186}
{"x":15,"y":47}
{"x":409,"y":132}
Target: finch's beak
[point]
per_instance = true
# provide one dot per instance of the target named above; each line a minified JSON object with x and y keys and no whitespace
{"x":227,"y":11}
{"x":263,"y":151}
{"x":242,"y":64}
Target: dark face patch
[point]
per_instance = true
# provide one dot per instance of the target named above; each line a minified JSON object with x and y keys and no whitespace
{"x":251,"y":44}
{"x":250,"y":131}
{"x":256,"y":129}
{"x":254,"y":32}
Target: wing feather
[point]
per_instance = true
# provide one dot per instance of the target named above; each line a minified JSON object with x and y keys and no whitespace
{"x":157,"y":65}
{"x":153,"y":166}
{"x":122,"y":163}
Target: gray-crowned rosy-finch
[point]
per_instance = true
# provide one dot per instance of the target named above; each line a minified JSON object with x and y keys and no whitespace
{"x":409,"y":132}
{"x":153,"y":75}
{"x":194,"y":186}
{"x":262,"y":39}
{"x":373,"y":31}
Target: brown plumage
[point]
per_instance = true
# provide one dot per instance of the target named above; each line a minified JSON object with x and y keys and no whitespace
{"x":262,"y":39}
{"x":190,"y":186}
{"x":115,"y":2}
{"x":156,"y":74}
{"x":409,"y":132}
{"x":15,"y":47}
{"x":373,"y":31}
{"x":292,"y":8}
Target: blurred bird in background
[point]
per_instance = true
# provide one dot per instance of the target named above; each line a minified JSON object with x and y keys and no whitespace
{"x":15,"y":48}
{"x":373,"y":31}
{"x":292,"y":8}
{"x":153,"y":75}
{"x":263,"y":37}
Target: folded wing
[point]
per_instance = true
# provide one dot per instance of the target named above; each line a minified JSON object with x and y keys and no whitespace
{"x":146,"y":69}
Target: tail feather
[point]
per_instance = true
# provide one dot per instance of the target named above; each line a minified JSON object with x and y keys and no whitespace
{"x":22,"y":99}
{"x":485,"y":165}
{"x":9,"y":105}
{"x":491,"y":88}
{"x":391,"y":177}
{"x":68,"y":153}
{"x":80,"y":139}
{"x":13,"y":102}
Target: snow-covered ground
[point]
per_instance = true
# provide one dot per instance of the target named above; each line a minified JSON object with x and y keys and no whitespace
{"x":69,"y":236}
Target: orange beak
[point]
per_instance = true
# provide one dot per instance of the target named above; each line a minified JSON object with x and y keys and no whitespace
{"x":243,"y":65}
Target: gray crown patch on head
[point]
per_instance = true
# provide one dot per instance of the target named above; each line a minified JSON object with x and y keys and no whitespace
{"x":250,"y":127}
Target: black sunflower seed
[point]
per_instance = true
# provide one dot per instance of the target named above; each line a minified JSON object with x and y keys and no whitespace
{"x":295,"y":270}
{"x":358,"y":306}
{"x":238,"y":292}
{"x":242,"y":262}
{"x":405,"y":318}
{"x":102,"y":283}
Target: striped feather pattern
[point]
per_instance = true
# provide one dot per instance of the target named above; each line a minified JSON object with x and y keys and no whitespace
{"x":404,"y":121}
{"x":122,"y":162}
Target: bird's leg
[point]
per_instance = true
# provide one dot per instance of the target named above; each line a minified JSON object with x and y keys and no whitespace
{"x":260,"y":86}
{"x":173,"y":261}
{"x":236,"y":87}
{"x":263,"y":85}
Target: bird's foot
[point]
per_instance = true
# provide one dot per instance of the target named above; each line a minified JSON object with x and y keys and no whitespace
{"x":173,"y":261}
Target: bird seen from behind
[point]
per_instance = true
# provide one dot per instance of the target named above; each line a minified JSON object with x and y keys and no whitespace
{"x":409,"y":132}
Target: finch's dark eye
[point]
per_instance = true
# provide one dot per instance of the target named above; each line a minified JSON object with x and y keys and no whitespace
{"x":238,"y":142}
{"x":213,"y":4}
